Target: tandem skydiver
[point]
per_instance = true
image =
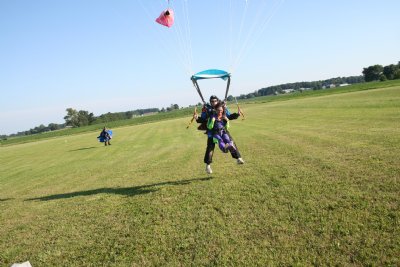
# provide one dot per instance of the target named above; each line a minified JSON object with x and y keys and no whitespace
{"x":208,"y":115}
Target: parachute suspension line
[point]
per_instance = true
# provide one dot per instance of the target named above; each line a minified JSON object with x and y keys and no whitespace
{"x":196,"y":85}
{"x":257,"y":33}
{"x":250,"y":33}
{"x":164,"y":39}
{"x":234,"y":43}
{"x":231,"y":42}
{"x":227,"y":88}
{"x":188,"y":38}
{"x":234,"y":40}
{"x":182,"y":37}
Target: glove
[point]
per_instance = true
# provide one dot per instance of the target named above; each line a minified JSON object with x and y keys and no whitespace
{"x":233,"y":116}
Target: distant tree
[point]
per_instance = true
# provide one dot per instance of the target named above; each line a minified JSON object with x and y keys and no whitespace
{"x":129,"y":114}
{"x":390,"y":71}
{"x":242,"y":96}
{"x":251,"y":95}
{"x":373,"y":73}
{"x":173,"y":107}
{"x":79,"y":118}
{"x":72,"y":117}
{"x":53,"y":126}
{"x":355,"y":79}
{"x":38,"y":129}
{"x":230,"y":98}
{"x":267,"y":91}
{"x":83,"y":118}
{"x":91,"y":118}
{"x":397,"y":74}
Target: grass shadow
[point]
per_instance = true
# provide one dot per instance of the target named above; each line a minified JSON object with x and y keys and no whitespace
{"x":83,"y":148}
{"x":5,"y":199}
{"x":125,"y":191}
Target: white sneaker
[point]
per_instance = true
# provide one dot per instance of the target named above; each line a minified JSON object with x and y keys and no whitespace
{"x":208,"y":169}
{"x":240,"y":161}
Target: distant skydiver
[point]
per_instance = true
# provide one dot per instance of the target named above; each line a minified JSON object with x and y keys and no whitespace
{"x":209,"y":117}
{"x":105,"y":136}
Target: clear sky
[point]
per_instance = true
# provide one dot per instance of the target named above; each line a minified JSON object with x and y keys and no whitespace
{"x":110,"y":56}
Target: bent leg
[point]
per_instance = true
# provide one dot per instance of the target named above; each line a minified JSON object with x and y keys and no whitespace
{"x":233,"y":148}
{"x":221,"y":144}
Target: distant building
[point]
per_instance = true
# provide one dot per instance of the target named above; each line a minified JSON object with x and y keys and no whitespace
{"x":344,"y":84}
{"x":287,"y":91}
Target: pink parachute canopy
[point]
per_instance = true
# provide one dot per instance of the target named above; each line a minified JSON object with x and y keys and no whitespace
{"x":166,"y":18}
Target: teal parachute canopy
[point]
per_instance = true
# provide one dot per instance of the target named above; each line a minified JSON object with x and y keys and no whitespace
{"x":211,"y":74}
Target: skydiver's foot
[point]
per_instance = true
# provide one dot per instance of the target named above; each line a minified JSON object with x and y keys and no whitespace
{"x":208,"y":169}
{"x":240,"y":161}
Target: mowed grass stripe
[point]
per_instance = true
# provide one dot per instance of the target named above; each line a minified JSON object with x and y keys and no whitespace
{"x":320,"y":186}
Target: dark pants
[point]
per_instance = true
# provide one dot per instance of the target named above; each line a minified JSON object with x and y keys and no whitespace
{"x":106,"y":141}
{"x":210,"y":151}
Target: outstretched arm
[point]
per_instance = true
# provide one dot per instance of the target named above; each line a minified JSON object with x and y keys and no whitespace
{"x":233,"y":116}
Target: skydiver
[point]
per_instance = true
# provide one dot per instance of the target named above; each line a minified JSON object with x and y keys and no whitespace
{"x":218,"y":124}
{"x":105,"y":135}
{"x":207,"y":111}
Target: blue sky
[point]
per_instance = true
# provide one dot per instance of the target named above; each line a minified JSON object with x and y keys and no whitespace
{"x":109,"y":56}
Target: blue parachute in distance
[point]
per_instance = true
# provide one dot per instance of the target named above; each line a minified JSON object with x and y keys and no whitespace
{"x":102,"y":139}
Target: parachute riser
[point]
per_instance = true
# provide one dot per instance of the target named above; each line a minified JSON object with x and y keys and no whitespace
{"x":239,"y":109}
{"x":193,"y":118}
{"x":228,"y":83}
{"x":196,"y":85}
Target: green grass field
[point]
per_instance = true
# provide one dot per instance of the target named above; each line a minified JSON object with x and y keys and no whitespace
{"x":320,"y":186}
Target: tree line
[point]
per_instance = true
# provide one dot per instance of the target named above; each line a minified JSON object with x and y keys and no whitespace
{"x":371,"y":73}
{"x":382,"y":73}
{"x":78,"y":118}
{"x":300,"y":86}
{"x":38,"y":129}
{"x":81,"y":118}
